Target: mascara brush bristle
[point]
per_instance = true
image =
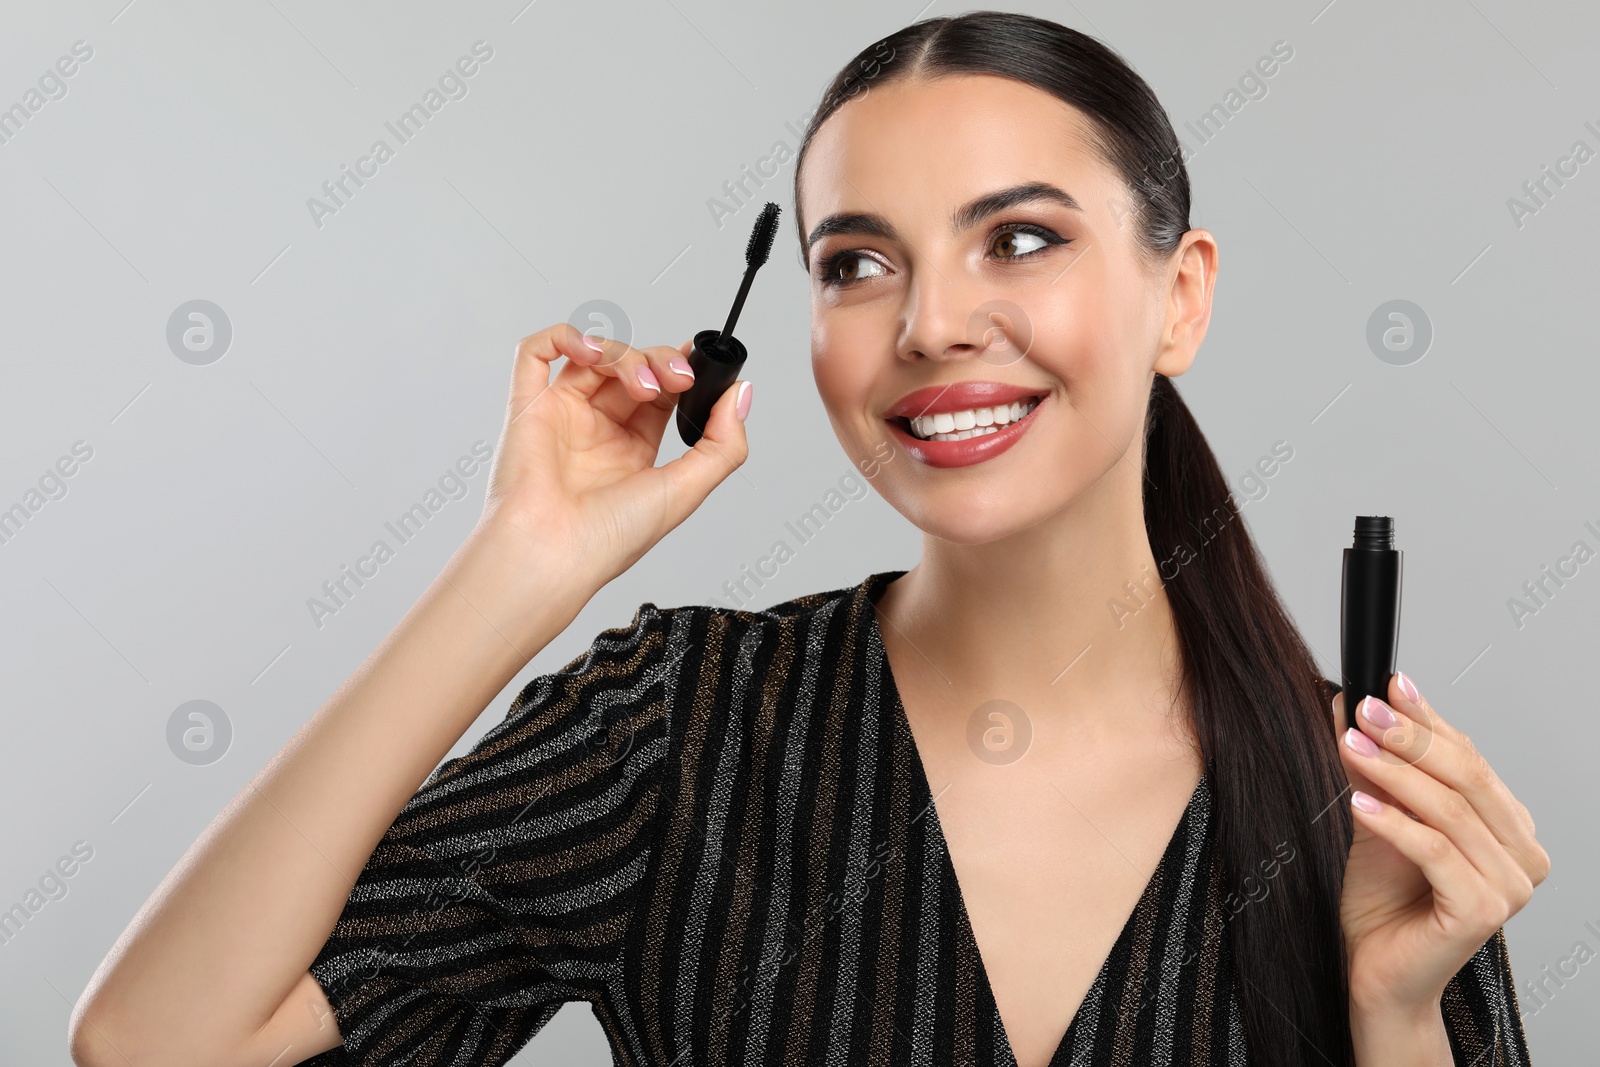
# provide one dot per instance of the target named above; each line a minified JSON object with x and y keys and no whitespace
{"x":760,"y":246}
{"x":755,"y":254}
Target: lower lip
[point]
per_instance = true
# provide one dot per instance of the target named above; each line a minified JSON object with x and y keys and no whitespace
{"x":973,"y":449}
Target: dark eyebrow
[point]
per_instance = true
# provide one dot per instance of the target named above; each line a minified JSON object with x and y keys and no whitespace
{"x":968,"y":215}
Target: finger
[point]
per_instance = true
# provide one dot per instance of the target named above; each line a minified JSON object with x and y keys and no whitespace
{"x":1357,"y":779}
{"x":1403,"y":694}
{"x":1454,"y":760}
{"x":672,"y":369}
{"x":530,"y":366}
{"x":1459,"y":891}
{"x":721,"y":450}
{"x":1444,"y":809}
{"x":637,"y":382}
{"x":679,"y":368}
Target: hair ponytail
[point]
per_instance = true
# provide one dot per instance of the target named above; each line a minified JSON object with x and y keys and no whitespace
{"x":1262,"y":716}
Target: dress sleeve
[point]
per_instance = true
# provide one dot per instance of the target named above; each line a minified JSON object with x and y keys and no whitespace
{"x":1480,"y":1010}
{"x":507,"y":885}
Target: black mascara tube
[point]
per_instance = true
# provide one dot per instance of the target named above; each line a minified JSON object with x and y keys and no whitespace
{"x":715,"y":360}
{"x":1369,"y":613}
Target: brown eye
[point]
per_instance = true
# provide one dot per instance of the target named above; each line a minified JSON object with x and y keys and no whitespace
{"x":845,"y":268}
{"x":1005,"y":243}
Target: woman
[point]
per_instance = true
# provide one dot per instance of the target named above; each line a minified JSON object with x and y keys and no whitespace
{"x":720,"y":827}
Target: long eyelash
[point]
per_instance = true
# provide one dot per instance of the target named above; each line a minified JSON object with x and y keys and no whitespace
{"x":829,"y":263}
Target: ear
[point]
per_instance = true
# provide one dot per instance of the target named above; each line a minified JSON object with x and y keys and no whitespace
{"x":1188,"y":303}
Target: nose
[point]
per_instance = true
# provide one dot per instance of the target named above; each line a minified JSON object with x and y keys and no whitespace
{"x":951,"y":320}
{"x":937,"y":324}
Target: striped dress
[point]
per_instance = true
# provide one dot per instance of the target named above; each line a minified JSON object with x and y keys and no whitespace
{"x":714,"y":826}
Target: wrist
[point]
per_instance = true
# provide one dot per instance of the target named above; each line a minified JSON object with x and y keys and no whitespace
{"x":537,"y":553}
{"x":1410,"y":1034}
{"x":516,"y":589}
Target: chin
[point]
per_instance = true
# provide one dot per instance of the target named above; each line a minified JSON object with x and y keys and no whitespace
{"x":970,"y":518}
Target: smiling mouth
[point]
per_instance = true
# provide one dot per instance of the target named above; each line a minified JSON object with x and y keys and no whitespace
{"x":971,"y":422}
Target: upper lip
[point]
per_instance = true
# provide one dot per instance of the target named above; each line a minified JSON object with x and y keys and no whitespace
{"x":959,"y":396}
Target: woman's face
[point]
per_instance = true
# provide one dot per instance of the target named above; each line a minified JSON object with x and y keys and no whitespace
{"x":922,"y":307}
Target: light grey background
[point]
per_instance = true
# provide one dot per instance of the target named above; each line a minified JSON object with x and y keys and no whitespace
{"x":370,"y":353}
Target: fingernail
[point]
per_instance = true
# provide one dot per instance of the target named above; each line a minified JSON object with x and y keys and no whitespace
{"x":1409,"y":688}
{"x":1377,"y":713}
{"x":741,"y":404}
{"x":1369,"y":804}
{"x":678,"y":364}
{"x":596,"y":343}
{"x":649,"y":379}
{"x":1360,"y":742}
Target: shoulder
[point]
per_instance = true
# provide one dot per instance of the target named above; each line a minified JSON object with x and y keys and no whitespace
{"x":788,"y":610}
{"x":662,"y":649}
{"x":697,"y":621}
{"x":721,"y":664}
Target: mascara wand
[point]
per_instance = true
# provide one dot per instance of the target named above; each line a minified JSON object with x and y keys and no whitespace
{"x":755,"y":254}
{"x":717,"y":355}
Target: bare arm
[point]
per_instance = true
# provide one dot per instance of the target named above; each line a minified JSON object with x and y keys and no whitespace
{"x":205,"y":971}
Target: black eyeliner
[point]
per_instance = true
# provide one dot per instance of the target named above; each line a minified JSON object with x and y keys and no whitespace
{"x":830,"y":262}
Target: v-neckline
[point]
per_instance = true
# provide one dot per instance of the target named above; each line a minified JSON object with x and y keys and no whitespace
{"x":923,"y":800}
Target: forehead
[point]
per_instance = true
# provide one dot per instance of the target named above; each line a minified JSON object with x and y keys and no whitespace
{"x":914,"y":147}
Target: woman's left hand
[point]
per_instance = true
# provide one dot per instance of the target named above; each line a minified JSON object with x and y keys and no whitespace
{"x":1446,"y":861}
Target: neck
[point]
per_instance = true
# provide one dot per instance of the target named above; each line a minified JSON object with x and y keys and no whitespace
{"x":1068,"y":614}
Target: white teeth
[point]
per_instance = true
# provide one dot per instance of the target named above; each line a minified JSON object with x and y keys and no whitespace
{"x":973,"y":422}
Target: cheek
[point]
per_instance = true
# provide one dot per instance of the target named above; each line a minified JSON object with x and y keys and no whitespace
{"x":1091,"y":339}
{"x":1076,"y":341}
{"x":842,"y":373}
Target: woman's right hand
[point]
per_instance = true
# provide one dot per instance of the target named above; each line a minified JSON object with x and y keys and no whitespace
{"x":574,"y":475}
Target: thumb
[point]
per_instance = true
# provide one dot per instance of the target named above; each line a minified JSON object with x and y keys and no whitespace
{"x":721,"y":450}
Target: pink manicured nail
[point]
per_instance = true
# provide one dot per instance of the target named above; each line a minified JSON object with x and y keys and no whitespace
{"x":1378,"y":713}
{"x":1360,"y":742}
{"x":596,"y":343}
{"x":1408,"y":688}
{"x":741,"y":405}
{"x":1369,"y":804}
{"x":649,"y":379}
{"x":678,"y":364}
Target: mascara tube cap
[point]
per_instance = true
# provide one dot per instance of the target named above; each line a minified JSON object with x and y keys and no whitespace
{"x":716,"y":361}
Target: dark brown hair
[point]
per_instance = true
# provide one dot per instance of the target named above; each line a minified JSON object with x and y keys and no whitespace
{"x":1260,"y":703}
